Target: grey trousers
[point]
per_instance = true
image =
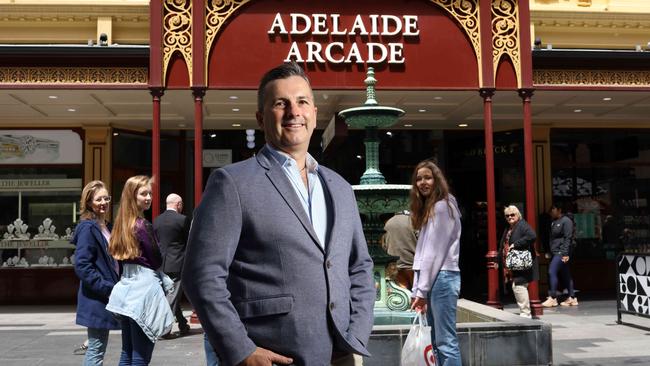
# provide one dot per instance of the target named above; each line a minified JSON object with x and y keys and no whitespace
{"x":174,"y":299}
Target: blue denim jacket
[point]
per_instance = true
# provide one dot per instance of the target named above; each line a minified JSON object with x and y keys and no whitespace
{"x":140,"y":296}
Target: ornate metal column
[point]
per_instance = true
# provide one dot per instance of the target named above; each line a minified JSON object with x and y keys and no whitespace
{"x":156,"y":93}
{"x":531,"y":211}
{"x":492,"y":253}
{"x":198,"y":93}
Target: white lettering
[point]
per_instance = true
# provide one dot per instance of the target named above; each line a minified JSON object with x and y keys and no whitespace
{"x":328,"y":52}
{"x":397,"y":22}
{"x":277,"y":23}
{"x":294,"y":23}
{"x":313,"y":50}
{"x":335,"y":26}
{"x":358,"y":24}
{"x":375,"y":25}
{"x":371,"y":52}
{"x":396,"y":53}
{"x":354,"y":52}
{"x":294,"y":53}
{"x":320,"y":24}
{"x":411,"y":26}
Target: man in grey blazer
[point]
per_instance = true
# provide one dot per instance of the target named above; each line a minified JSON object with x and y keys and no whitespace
{"x":277,"y":266}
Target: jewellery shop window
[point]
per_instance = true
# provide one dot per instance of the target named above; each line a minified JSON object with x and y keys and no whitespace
{"x":40,"y":186}
{"x":602,"y":177}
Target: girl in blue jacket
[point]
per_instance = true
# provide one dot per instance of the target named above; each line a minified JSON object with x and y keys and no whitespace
{"x":96,"y":269}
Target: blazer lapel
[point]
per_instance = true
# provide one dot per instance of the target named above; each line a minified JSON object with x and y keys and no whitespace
{"x":283,"y":186}
{"x":332,"y":210}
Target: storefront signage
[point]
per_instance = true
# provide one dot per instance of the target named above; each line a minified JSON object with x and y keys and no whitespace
{"x":214,"y":158}
{"x":24,"y":185}
{"x":40,"y":147}
{"x":331,"y":26}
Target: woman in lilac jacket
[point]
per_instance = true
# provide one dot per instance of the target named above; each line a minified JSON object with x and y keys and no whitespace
{"x":437,"y":276}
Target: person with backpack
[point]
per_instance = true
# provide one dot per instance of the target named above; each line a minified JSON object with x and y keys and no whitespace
{"x":561,"y":243}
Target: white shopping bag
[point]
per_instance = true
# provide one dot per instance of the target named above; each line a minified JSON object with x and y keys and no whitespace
{"x":417,"y":350}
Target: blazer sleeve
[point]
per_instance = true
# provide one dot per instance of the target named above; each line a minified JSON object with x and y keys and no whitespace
{"x":526,"y":237}
{"x":213,"y":241}
{"x":86,"y":257}
{"x":362,"y":288}
{"x":437,"y":238}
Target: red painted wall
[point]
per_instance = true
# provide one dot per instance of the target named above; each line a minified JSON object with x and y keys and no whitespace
{"x":441,"y":57}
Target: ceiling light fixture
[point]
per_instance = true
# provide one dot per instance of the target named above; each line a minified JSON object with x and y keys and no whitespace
{"x":236,"y":125}
{"x":408,"y":125}
{"x":577,"y":110}
{"x":235,"y":109}
{"x":213,"y":135}
{"x":389,"y":134}
{"x":607,"y":99}
{"x":71,"y":110}
{"x":437,"y":98}
{"x":233,"y":97}
{"x":463,"y":125}
{"x":116,"y":134}
{"x":53,"y":97}
{"x":422,"y":110}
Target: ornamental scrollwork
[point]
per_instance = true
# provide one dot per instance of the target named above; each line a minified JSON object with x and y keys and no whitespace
{"x":505,"y":35}
{"x":74,"y":75}
{"x":218,"y":11}
{"x":398,"y":299}
{"x":177,"y":32}
{"x":466,"y":12}
{"x":608,"y":78}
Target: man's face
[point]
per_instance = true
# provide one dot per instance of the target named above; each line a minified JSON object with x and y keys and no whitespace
{"x":289,"y":115}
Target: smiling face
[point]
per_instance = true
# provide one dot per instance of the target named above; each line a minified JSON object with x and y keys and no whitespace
{"x":143,"y":198}
{"x":288,"y":117}
{"x":424,"y":182}
{"x":99,"y":202}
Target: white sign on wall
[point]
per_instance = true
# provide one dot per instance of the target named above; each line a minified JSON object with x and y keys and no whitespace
{"x":385,"y":26}
{"x":214,"y":158}
{"x":40,"y":147}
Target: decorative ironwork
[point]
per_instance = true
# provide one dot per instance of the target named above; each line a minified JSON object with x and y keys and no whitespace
{"x":218,"y":11}
{"x":466,"y":12}
{"x":74,"y":75}
{"x":398,"y":299}
{"x":608,"y":78}
{"x":505,"y":35}
{"x":177,"y":32}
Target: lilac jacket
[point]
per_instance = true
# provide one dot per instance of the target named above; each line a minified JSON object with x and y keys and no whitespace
{"x":438,"y":246}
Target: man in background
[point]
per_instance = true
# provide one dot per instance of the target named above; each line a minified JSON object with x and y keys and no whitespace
{"x":172,"y":229}
{"x":400,"y":241}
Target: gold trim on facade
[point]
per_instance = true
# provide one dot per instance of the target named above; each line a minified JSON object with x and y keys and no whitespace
{"x":74,"y":75}
{"x":466,"y":12}
{"x":218,"y":11}
{"x":505,"y":35}
{"x":609,"y":78}
{"x":177,"y":33}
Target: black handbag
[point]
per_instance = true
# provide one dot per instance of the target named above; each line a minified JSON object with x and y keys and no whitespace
{"x":519,"y":260}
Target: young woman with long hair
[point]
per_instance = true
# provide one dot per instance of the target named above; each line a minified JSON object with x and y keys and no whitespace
{"x":436,"y":287}
{"x":96,"y":269}
{"x":138,"y":298}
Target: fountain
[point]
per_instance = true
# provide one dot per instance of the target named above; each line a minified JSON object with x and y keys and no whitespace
{"x":375,"y":198}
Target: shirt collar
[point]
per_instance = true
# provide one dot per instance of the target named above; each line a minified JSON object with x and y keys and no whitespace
{"x":285,"y":159}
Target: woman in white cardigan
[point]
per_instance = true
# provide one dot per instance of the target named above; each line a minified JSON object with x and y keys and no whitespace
{"x":437,"y":275}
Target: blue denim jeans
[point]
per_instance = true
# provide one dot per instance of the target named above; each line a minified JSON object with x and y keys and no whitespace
{"x":97,"y":341}
{"x":211,"y":358}
{"x":441,"y":315}
{"x":556,"y":269}
{"x":136,"y":346}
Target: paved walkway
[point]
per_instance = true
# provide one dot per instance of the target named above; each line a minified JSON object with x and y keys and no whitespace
{"x":583,"y":335}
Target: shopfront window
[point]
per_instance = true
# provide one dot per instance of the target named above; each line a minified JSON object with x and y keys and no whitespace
{"x":603,"y":178}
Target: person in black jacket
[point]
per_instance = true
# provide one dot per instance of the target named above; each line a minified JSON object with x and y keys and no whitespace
{"x":96,"y":269}
{"x":561,"y":241}
{"x":172,"y":229}
{"x":520,"y":236}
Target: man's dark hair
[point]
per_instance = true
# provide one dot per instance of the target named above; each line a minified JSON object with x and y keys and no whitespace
{"x":283,"y":71}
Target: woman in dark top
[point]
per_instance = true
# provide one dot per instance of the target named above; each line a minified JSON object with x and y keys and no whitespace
{"x":561,"y":240}
{"x":520,"y":236}
{"x":96,"y":270}
{"x":138,"y":298}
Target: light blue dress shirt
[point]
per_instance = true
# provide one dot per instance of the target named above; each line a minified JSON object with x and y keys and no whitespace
{"x":312,"y":197}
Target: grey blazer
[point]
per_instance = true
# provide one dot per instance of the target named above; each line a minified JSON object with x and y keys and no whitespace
{"x":257,"y":276}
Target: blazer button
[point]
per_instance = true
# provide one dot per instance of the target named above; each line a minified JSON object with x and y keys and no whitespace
{"x":328,"y":264}
{"x":331,"y":306}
